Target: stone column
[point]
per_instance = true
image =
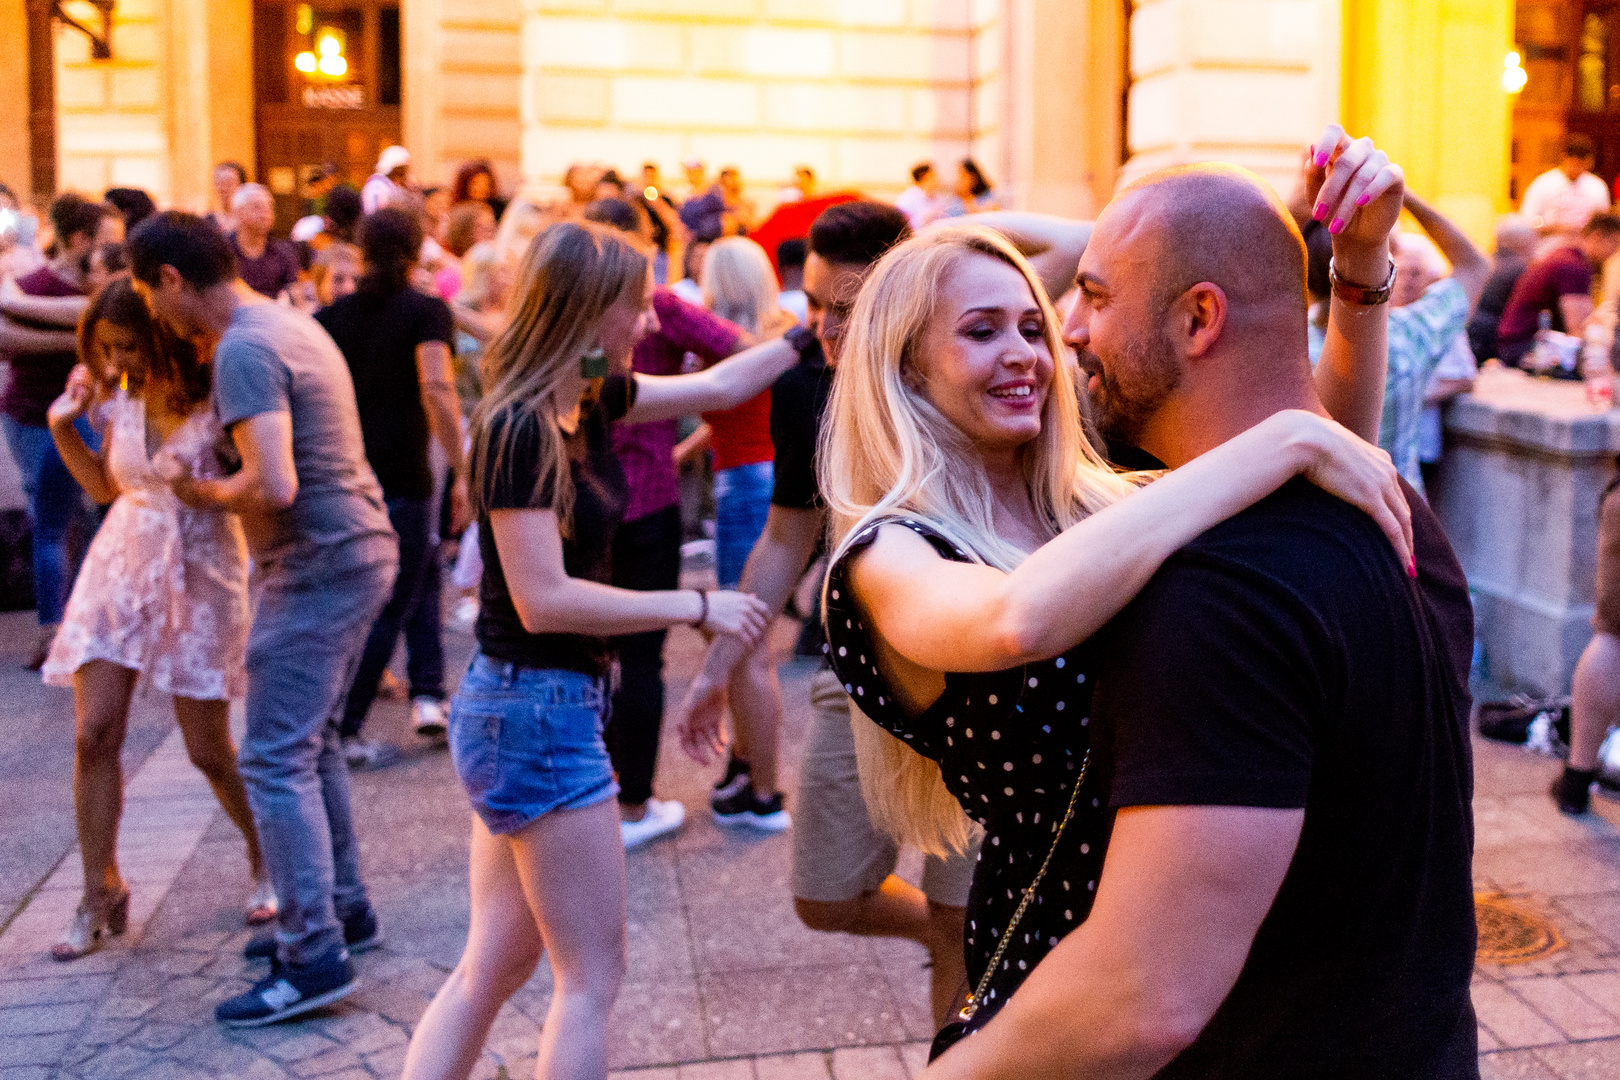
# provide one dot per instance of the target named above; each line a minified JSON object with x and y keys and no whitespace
{"x":1061,"y":115}
{"x":1245,"y":81}
{"x":14,"y":88}
{"x":209,"y":82}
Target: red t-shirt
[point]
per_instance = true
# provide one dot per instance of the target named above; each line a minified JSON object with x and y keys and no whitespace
{"x":37,"y":379}
{"x":742,"y":436}
{"x":1561,"y":272}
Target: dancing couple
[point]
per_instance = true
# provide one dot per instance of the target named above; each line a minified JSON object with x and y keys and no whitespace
{"x":1213,"y":720}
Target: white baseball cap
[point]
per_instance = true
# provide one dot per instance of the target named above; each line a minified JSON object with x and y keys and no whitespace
{"x":392,"y":158}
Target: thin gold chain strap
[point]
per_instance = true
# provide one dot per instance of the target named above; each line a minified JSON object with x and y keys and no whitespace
{"x":976,"y":998}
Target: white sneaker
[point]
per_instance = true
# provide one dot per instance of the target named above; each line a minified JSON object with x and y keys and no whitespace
{"x":663,"y":817}
{"x":427,"y":716}
{"x":364,"y":754}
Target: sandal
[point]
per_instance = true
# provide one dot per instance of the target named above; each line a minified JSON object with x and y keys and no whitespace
{"x":262,"y":906}
{"x":89,"y":923}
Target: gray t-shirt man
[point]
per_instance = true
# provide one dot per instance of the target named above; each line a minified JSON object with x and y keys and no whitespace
{"x":274,"y":359}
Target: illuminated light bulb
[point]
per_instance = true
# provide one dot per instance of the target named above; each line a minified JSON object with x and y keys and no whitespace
{"x":305,"y":62}
{"x":1513,"y":74}
{"x":650,"y":194}
{"x":333,"y":65}
{"x":329,"y":46}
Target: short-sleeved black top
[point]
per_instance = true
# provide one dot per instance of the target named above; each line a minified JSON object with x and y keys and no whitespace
{"x":378,"y":333}
{"x":600,"y":495}
{"x":1010,"y":745}
{"x":798,"y":403}
{"x":1284,"y":659}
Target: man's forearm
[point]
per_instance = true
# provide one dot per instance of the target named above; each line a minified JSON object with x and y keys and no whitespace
{"x":26,"y":339}
{"x":63,"y":311}
{"x":772,"y":572}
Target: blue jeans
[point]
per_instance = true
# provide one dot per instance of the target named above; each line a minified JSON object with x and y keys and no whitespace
{"x":305,"y":644}
{"x":742,"y":498}
{"x":413,"y":521}
{"x":528,"y":741}
{"x":63,"y":522}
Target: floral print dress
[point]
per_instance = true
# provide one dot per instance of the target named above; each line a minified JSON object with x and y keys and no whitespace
{"x":163,"y":589}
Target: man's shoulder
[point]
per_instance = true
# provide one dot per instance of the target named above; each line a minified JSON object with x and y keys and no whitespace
{"x":1295,"y":528}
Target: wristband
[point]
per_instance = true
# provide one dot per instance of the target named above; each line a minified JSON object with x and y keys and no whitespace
{"x":703,"y":615}
{"x":1361,"y":295}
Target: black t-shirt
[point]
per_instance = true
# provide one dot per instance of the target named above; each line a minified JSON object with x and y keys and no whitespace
{"x":1284,"y":659}
{"x":798,"y":401}
{"x":600,"y":495}
{"x":378,"y":334}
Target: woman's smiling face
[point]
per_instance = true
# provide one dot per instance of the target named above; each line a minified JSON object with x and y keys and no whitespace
{"x":983,"y":358}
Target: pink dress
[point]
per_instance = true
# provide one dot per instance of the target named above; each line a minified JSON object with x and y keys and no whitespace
{"x":163,"y":589}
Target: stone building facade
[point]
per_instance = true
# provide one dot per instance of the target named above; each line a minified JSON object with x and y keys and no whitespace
{"x":1060,"y":100}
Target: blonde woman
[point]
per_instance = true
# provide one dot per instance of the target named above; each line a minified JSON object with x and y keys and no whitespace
{"x":979,"y":540}
{"x":547,"y":863}
{"x":739,"y":286}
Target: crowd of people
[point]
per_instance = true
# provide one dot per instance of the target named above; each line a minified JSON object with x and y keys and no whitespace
{"x":1133,"y":617}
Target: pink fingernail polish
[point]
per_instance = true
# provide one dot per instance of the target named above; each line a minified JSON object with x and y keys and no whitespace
{"x":1319,"y":211}
{"x":1337,"y":227}
{"x":1321,"y":160}
{"x":1411,"y":569}
{"x":1364,"y":200}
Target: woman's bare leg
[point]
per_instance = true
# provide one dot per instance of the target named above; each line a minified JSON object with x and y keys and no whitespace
{"x":101,"y":693}
{"x":503,"y":947}
{"x":572,"y":866}
{"x":205,"y":726}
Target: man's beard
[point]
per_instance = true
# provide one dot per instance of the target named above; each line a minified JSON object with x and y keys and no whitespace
{"x":1133,"y":387}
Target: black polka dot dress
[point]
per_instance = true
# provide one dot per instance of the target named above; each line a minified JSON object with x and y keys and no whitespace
{"x":1010,"y":745}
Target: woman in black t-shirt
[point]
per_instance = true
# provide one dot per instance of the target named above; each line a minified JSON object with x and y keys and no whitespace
{"x":547,"y":863}
{"x":979,"y":541}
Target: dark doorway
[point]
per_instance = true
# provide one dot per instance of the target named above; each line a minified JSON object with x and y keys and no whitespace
{"x":326,"y":82}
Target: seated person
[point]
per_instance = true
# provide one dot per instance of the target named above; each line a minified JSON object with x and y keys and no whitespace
{"x":1516,"y":241}
{"x":1558,"y":282}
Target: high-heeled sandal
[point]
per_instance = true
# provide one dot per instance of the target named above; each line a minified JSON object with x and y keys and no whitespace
{"x":262,"y":906}
{"x":89,"y":923}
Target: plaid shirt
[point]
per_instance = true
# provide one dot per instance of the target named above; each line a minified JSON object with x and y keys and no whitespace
{"x":1419,"y":335}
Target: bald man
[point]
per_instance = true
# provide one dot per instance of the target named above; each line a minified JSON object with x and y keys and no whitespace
{"x":1280,"y":717}
{"x":268,"y":264}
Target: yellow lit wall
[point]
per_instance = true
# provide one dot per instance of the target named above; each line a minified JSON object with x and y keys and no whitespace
{"x":176,"y":97}
{"x":463,"y":71}
{"x":860,"y":90}
{"x":1423,"y":78}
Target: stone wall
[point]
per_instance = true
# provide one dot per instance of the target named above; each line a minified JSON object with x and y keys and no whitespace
{"x":859,"y":90}
{"x":463,"y":77}
{"x":1525,"y":467}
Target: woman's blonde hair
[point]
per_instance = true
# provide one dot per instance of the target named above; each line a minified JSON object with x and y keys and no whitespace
{"x":738,"y":283}
{"x":886,"y":452}
{"x":571,"y":275}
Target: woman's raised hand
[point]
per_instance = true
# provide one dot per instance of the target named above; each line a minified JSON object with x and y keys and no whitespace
{"x":738,"y":614}
{"x":1358,"y":472}
{"x":74,"y":399}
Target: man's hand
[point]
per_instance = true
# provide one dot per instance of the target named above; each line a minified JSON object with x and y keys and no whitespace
{"x":698,"y":720}
{"x":1358,"y":191}
{"x":197,"y":492}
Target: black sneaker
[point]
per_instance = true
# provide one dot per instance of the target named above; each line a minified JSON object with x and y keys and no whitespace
{"x":360,"y":934}
{"x":735,"y":779}
{"x":747,"y":808}
{"x":291,"y":990}
{"x":1572,"y":791}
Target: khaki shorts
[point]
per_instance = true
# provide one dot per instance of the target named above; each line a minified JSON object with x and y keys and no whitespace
{"x":1606,"y":618}
{"x":837,"y":853}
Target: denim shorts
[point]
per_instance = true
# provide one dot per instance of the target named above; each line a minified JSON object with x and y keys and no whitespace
{"x":527,"y":741}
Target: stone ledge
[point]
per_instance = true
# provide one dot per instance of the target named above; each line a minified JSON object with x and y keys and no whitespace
{"x":1510,"y":408}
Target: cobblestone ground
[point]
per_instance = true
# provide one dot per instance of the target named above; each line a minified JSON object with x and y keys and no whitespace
{"x":723,"y":983}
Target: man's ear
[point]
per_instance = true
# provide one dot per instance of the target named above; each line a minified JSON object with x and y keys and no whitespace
{"x":1198,"y":317}
{"x":169,"y":278}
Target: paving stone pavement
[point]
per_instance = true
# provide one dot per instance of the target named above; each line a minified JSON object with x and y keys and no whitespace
{"x":723,"y":982}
